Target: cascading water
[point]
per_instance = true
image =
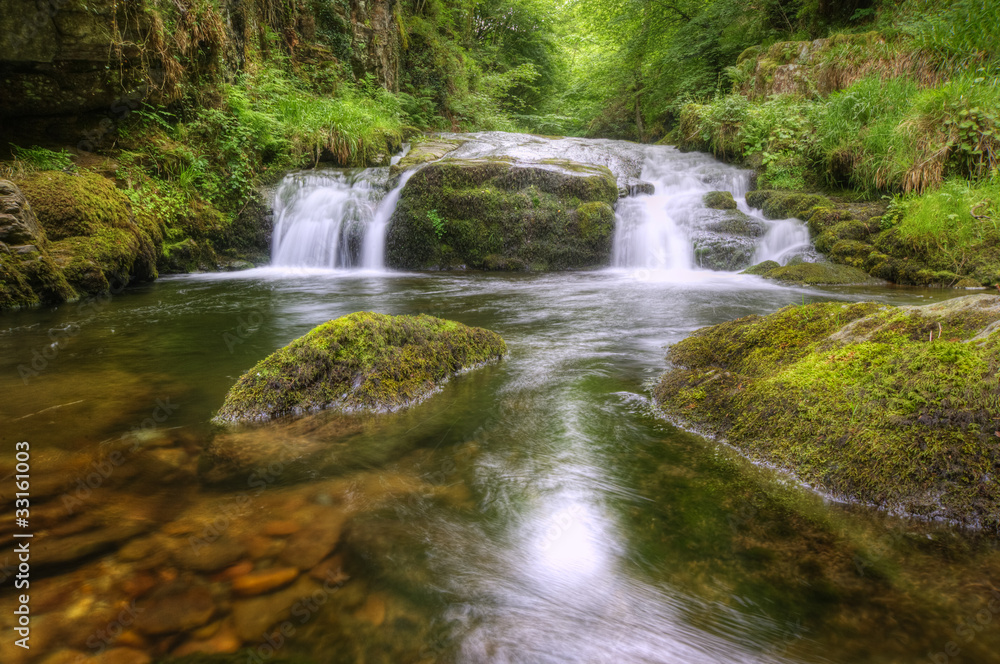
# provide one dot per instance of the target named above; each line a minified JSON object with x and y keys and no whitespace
{"x":340,"y":219}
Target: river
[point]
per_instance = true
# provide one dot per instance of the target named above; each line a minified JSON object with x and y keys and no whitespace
{"x":533,"y":511}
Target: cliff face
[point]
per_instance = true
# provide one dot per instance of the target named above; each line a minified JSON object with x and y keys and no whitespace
{"x":73,"y":57}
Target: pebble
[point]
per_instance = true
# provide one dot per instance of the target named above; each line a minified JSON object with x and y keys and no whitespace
{"x":121,"y":656}
{"x":264,"y":581}
{"x":253,"y":616}
{"x":307,"y":547}
{"x":204,"y":556}
{"x":175,"y":607}
{"x":373,"y":610}
{"x":224,"y":641}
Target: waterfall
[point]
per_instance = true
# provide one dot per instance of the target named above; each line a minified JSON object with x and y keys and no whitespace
{"x":373,"y":250}
{"x":672,"y":229}
{"x":334,"y":219}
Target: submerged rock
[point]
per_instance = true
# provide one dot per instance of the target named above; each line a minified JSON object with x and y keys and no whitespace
{"x":363,"y":362}
{"x":889,"y":405}
{"x":499,"y":214}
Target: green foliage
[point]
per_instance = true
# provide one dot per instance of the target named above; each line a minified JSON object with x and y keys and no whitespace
{"x":437,"y":223}
{"x":956,"y":223}
{"x":40,"y":159}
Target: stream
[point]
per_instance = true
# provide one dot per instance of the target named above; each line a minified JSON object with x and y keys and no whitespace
{"x":534,"y":511}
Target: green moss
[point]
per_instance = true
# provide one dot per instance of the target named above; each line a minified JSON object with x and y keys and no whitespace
{"x":498,"y":215}
{"x":81,"y":203}
{"x":851,"y":252}
{"x":719,"y":200}
{"x":785,"y":204}
{"x":15,"y":290}
{"x":361,"y":362}
{"x":761,"y":268}
{"x":110,"y":255}
{"x":894,"y":406}
{"x":817,"y":274}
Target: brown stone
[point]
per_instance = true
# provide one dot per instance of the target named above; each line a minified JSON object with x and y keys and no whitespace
{"x":264,"y":581}
{"x":208,"y":556}
{"x":307,"y":547}
{"x":121,"y":656}
{"x":253,"y":616}
{"x":176,"y":607}
{"x":281,"y":528}
{"x":66,"y":656}
{"x":373,"y":610}
{"x":224,"y":641}
{"x":330,"y":570}
{"x":259,"y":546}
{"x":239,"y":569}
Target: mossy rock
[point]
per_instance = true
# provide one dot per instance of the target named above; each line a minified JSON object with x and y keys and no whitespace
{"x":733,"y":222}
{"x":851,"y":252}
{"x":187,"y":256}
{"x":893,"y":406}
{"x":719,"y":200}
{"x":363,"y":362}
{"x":494,"y":214}
{"x":786,"y":204}
{"x":426,"y":151}
{"x":715,"y":251}
{"x":820,"y":274}
{"x":761,"y":269}
{"x":73,"y":204}
{"x":92,"y":234}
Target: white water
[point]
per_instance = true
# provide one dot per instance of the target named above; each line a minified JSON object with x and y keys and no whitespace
{"x":339,"y":219}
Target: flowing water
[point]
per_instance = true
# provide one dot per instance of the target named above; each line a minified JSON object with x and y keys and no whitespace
{"x":532,"y":511}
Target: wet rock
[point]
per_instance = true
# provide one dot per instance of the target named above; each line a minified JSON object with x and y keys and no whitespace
{"x":257,"y":583}
{"x":719,"y":200}
{"x":786,"y":204}
{"x":716,"y":251}
{"x":223,"y":640}
{"x":281,"y":528}
{"x":373,"y":610}
{"x":761,"y":269}
{"x":495,"y":213}
{"x":306,"y":548}
{"x":208,"y":556}
{"x":29,"y":274}
{"x":633,"y":187}
{"x":732,"y":222}
{"x":60,"y":550}
{"x":818,"y":274}
{"x":175,"y":607}
{"x":65,"y":656}
{"x":361,"y":362}
{"x":426,"y":151}
{"x":121,"y":656}
{"x":252,"y":617}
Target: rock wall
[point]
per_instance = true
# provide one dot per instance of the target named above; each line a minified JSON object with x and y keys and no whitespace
{"x":72,"y":57}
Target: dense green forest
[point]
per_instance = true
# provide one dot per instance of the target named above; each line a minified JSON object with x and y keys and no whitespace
{"x":866,"y":98}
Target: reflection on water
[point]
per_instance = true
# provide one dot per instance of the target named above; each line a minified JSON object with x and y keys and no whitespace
{"x":533,"y":511}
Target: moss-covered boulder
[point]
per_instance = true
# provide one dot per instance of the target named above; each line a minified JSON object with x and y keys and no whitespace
{"x":761,"y":268}
{"x":716,"y":251}
{"x":820,"y":274}
{"x":364,"y":362}
{"x":93,"y":236}
{"x":894,"y":406}
{"x":497,"y":214}
{"x":719,"y":200}
{"x":28,"y":275}
{"x":786,"y":204}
